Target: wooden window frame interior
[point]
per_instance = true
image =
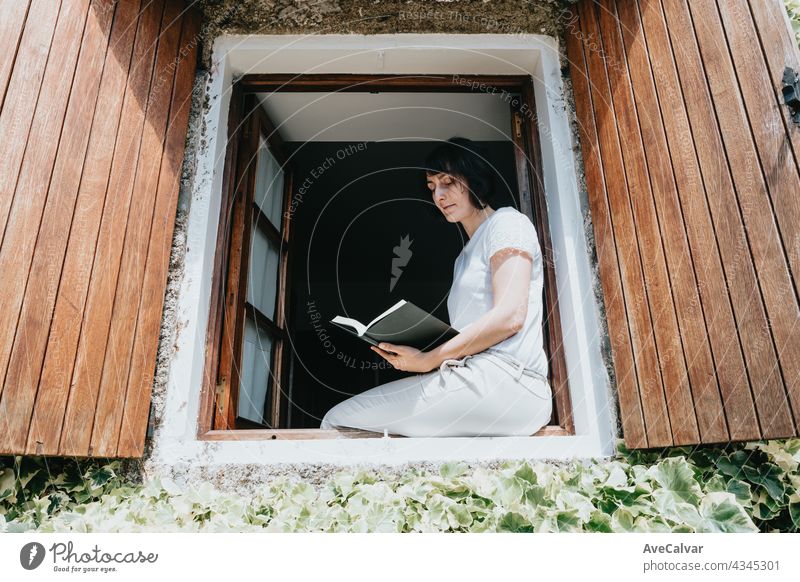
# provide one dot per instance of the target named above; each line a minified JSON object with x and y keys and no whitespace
{"x":234,"y":244}
{"x":216,"y":392}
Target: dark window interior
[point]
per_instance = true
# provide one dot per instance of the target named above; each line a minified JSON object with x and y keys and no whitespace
{"x":355,"y":207}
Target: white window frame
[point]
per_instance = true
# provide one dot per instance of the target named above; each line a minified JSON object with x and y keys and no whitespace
{"x":176,"y":441}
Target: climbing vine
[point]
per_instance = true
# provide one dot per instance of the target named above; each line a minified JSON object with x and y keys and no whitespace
{"x":733,"y":488}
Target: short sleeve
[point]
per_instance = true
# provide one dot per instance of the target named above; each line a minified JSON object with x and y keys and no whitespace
{"x":513,"y":230}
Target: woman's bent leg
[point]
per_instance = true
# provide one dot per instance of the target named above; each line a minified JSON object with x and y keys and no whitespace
{"x":477,"y":399}
{"x":391,"y":406}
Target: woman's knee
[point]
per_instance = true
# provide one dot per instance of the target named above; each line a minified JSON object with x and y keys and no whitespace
{"x":339,"y":415}
{"x":330,"y":419}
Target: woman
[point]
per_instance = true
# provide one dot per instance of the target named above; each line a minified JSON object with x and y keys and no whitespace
{"x":490,"y":379}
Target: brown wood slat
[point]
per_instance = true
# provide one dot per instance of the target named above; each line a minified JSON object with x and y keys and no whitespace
{"x":608,"y":265}
{"x":743,"y":285}
{"x":91,"y":184}
{"x":75,"y":438}
{"x":768,"y":124}
{"x":249,"y":165}
{"x":520,"y":154}
{"x":145,"y":346}
{"x":378,"y":82}
{"x":716,"y":304}
{"x":116,"y":365}
{"x":281,"y":393}
{"x":532,"y":203}
{"x":235,"y":290}
{"x":21,"y":96}
{"x":48,"y":417}
{"x":765,"y":243}
{"x":553,"y":335}
{"x":641,"y":326}
{"x":263,"y":434}
{"x":681,"y":207}
{"x":627,"y":386}
{"x":209,"y":395}
{"x":703,"y":391}
{"x":283,"y":355}
{"x":25,"y":214}
{"x":672,"y":90}
{"x":780,"y":50}
{"x":37,"y":308}
{"x":659,"y":297}
{"x":12,"y":23}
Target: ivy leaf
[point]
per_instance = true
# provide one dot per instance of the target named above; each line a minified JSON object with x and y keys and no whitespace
{"x":716,"y":483}
{"x":453,"y":469}
{"x":721,"y":513}
{"x":794,"y":513}
{"x":25,"y":477}
{"x":527,"y":474}
{"x":568,"y":521}
{"x":568,"y":499}
{"x":624,"y":495}
{"x":514,"y":522}
{"x":675,"y":475}
{"x":703,"y":459}
{"x":762,"y":512}
{"x":741,"y":490}
{"x":733,"y":463}
{"x":768,"y":476}
{"x":650,"y":525}
{"x":672,"y":507}
{"x":599,"y":522}
{"x":535,"y":495}
{"x":459,"y":516}
{"x":6,"y":483}
{"x":622,"y":521}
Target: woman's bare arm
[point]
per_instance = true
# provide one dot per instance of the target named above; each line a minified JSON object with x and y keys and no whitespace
{"x":511,"y":280}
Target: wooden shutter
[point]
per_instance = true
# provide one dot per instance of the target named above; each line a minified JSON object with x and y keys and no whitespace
{"x":691,"y":163}
{"x":95,"y":102}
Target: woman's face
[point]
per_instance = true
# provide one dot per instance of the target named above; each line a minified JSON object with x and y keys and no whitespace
{"x":451,"y":196}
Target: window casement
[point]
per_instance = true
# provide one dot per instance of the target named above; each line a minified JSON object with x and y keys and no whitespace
{"x":252,"y":348}
{"x":248,"y":379}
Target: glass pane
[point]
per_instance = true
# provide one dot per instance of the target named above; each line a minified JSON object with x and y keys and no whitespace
{"x":269,"y":185}
{"x":262,"y":282}
{"x":255,"y":372}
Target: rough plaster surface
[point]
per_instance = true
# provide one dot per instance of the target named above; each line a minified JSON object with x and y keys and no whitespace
{"x":378,"y":17}
{"x":170,"y":324}
{"x":568,"y":103}
{"x":248,"y":479}
{"x":329,"y":17}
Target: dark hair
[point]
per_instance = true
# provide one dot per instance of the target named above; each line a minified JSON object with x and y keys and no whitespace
{"x":463,"y":158}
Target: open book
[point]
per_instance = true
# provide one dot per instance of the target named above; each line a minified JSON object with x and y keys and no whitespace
{"x":403,"y":324}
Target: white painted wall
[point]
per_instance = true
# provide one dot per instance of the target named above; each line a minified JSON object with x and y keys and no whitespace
{"x":388,"y":116}
{"x":536,"y":55}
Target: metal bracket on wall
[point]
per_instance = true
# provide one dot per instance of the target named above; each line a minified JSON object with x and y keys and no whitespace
{"x":791,"y":92}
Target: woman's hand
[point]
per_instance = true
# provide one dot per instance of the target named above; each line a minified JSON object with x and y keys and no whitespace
{"x":405,"y":358}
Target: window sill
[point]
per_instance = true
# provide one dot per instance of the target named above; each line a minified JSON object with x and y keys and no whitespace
{"x":320,"y":434}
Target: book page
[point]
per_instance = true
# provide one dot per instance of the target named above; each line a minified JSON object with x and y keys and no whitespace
{"x":359,"y":327}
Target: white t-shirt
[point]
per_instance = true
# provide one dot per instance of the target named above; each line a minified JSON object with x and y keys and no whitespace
{"x":471,"y":293}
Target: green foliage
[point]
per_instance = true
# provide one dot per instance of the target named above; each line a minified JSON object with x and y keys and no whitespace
{"x":731,"y":488}
{"x":793,"y":8}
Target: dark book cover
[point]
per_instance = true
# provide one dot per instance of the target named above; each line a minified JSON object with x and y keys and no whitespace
{"x":403,"y":324}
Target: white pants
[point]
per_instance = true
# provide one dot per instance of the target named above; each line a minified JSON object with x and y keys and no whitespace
{"x":478,"y":395}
